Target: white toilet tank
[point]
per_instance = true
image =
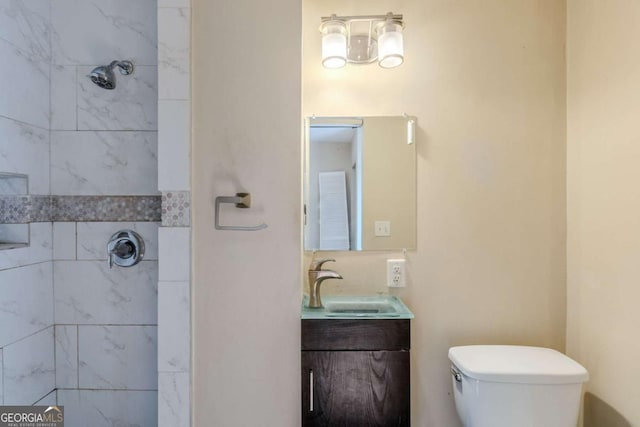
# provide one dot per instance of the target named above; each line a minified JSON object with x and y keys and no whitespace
{"x":507,"y":386}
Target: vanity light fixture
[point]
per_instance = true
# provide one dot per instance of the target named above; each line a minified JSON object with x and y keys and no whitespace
{"x":362,"y":40}
{"x":334,"y":44}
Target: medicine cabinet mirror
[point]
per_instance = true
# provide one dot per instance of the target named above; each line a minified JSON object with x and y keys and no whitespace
{"x":360,"y":183}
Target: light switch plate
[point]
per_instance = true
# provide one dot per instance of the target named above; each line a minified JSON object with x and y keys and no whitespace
{"x":382,"y":228}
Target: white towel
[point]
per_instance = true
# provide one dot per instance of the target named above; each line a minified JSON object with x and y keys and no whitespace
{"x":334,"y":216}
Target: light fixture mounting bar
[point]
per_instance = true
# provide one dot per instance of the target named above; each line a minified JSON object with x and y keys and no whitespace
{"x":362,"y":18}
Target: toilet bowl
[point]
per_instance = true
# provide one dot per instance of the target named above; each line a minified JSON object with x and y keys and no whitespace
{"x":507,"y":386}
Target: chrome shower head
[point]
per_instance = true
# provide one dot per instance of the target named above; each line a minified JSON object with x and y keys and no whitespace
{"x":104,"y":76}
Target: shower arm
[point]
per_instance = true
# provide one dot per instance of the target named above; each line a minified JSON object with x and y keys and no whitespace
{"x":125,"y":67}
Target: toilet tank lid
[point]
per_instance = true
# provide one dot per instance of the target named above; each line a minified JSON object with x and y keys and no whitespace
{"x":517,"y":364}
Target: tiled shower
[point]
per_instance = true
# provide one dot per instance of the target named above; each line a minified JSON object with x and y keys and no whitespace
{"x":72,"y":330}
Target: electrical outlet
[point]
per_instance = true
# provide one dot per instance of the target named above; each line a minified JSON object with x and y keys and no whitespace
{"x":396,"y":273}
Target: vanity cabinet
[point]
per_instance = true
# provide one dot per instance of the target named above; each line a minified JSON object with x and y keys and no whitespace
{"x":355,"y":372}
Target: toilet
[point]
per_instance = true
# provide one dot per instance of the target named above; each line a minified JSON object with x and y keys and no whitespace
{"x":507,"y":386}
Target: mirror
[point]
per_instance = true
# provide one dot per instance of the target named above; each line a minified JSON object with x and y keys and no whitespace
{"x":360,"y":183}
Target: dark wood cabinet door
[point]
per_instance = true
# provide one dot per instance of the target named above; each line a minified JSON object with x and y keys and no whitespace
{"x":355,"y":388}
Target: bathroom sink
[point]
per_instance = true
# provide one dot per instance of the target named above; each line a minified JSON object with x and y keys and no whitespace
{"x":354,"y":307}
{"x":359,"y":307}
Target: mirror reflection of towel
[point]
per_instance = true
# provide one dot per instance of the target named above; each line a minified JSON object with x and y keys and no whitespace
{"x":334,"y":217}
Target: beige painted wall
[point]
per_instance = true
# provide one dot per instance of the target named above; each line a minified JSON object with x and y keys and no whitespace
{"x":247,"y":132}
{"x":603,"y":209}
{"x":486,"y":81}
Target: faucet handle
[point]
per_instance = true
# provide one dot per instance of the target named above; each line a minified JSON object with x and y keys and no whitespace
{"x":316,"y":265}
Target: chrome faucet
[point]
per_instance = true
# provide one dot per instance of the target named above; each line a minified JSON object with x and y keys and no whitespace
{"x":316,"y":276}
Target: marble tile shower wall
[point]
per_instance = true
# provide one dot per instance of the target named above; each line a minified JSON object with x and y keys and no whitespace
{"x":174,"y":172}
{"x":26,"y":275}
{"x":104,"y":142}
{"x":25,"y":45}
{"x":72,"y":138}
{"x":91,"y":33}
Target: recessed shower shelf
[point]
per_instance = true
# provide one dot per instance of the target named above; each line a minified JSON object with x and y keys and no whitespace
{"x":13,"y":235}
{"x":12,"y":245}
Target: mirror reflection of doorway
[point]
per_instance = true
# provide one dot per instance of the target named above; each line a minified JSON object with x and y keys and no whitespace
{"x":335,"y":187}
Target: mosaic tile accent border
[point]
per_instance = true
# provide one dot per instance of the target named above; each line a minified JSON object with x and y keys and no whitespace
{"x":27,"y":209}
{"x":15,"y":209}
{"x":40,"y":209}
{"x":105,"y":208}
{"x":176,"y":209}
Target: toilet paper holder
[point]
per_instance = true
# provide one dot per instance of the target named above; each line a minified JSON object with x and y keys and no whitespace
{"x":241,"y":200}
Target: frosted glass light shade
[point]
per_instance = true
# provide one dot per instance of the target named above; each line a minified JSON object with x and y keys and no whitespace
{"x":390,"y":45}
{"x":334,"y":44}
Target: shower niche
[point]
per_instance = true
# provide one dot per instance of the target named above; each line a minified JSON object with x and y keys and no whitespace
{"x":14,"y":227}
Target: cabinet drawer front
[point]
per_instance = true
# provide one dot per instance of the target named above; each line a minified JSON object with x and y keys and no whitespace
{"x":355,"y":388}
{"x":344,"y":334}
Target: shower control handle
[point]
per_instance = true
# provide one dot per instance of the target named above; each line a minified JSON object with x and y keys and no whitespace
{"x":125,"y":249}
